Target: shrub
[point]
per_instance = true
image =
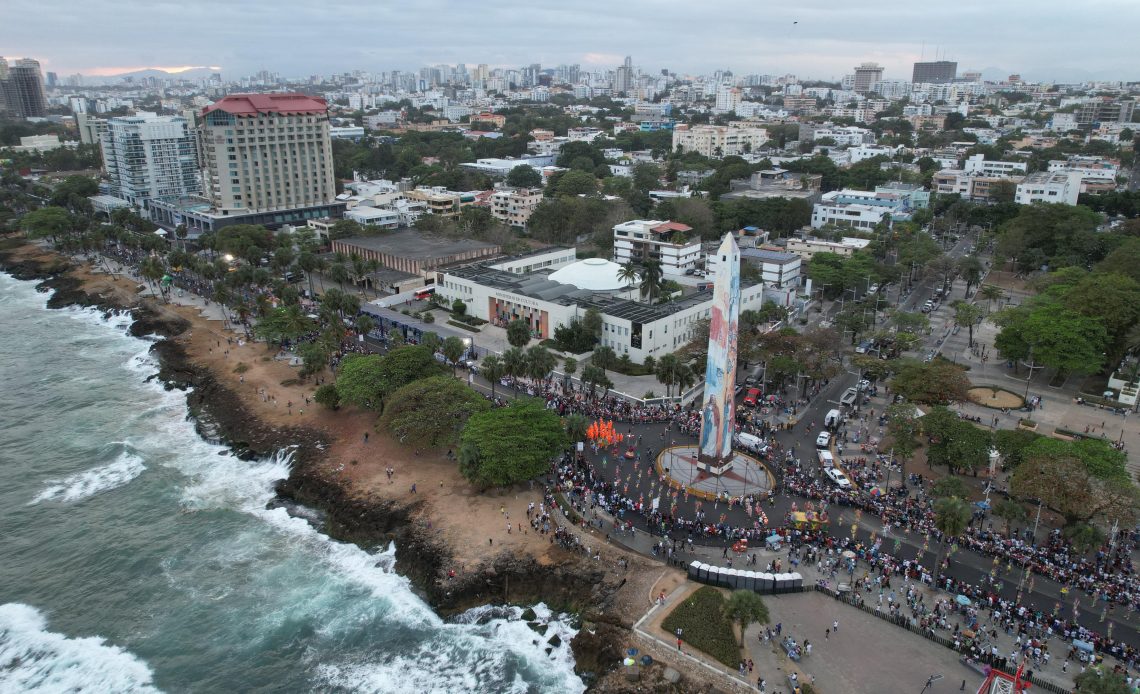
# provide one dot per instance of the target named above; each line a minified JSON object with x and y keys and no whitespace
{"x":700,"y":617}
{"x":327,"y":396}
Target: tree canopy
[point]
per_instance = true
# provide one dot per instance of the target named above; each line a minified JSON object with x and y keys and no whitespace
{"x":431,"y":411}
{"x":938,"y":382}
{"x":1082,"y":480}
{"x":366,"y":380}
{"x":510,"y":444}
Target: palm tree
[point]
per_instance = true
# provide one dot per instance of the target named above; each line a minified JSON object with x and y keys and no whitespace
{"x":539,"y":362}
{"x":686,"y":378}
{"x":432,"y":341}
{"x":338,"y":273}
{"x":365,"y":324}
{"x":650,"y":278}
{"x":991,"y":293}
{"x":453,"y":348}
{"x":1010,"y":511}
{"x":666,"y":372}
{"x":604,"y":357}
{"x":569,"y":367}
{"x":493,"y":369}
{"x":514,"y":361}
{"x":628,"y":273}
{"x":951,"y":516}
{"x":745,"y":607}
{"x":576,"y":425}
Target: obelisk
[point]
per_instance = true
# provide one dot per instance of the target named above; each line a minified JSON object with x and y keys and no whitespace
{"x":718,"y":418}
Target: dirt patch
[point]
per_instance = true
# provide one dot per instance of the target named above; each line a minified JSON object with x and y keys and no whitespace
{"x":995,"y":398}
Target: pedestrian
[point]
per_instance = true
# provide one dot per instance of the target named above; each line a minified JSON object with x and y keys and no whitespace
{"x":413,"y":487}
{"x":826,"y":634}
{"x":835,"y":626}
{"x":365,"y":433}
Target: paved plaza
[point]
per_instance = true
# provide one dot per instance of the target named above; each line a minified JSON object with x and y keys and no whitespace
{"x":744,"y":475}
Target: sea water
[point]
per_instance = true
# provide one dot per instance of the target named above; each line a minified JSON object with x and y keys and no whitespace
{"x":136,"y":556}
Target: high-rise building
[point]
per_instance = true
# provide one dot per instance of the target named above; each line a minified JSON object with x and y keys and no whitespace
{"x":90,"y":128}
{"x":727,"y":98}
{"x":150,"y":157}
{"x":935,"y":72}
{"x":22,"y":89}
{"x":623,"y":77}
{"x":866,"y":75}
{"x":267,"y":152}
{"x":52,"y":80}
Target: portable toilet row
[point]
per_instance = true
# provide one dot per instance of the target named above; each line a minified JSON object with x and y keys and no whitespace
{"x":740,"y":579}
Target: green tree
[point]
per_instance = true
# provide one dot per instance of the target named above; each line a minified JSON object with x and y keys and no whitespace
{"x":518,"y":332}
{"x":459,"y":307}
{"x":1011,"y":445}
{"x":1085,"y":537}
{"x":967,"y":315}
{"x":284,"y":323}
{"x":938,"y":382}
{"x":1098,"y":680}
{"x":902,"y":424}
{"x":327,"y":396}
{"x":577,"y":183}
{"x":453,"y":349}
{"x":592,"y":322}
{"x":969,"y":447}
{"x":1009,"y":511}
{"x":745,"y":607}
{"x":948,"y":487}
{"x":594,"y":376}
{"x":524,"y":176}
{"x":510,"y":444}
{"x":48,"y":222}
{"x":365,"y":380}
{"x":345,"y":228}
{"x":514,"y":361}
{"x":1082,"y":480}
{"x":570,"y":367}
{"x":666,"y":372}
{"x":1057,"y":337}
{"x":431,"y":411}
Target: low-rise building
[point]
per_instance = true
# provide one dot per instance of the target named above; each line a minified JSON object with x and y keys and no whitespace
{"x":412,"y":251}
{"x":806,"y":248}
{"x":860,"y":209}
{"x":547,"y":300}
{"x":777,"y":269}
{"x":374,"y":217}
{"x":669,"y":243}
{"x":776,"y":183}
{"x":979,"y":165}
{"x":1097,"y":174}
{"x":441,"y":201}
{"x":1060,"y":187}
{"x":514,"y":206}
{"x":967,"y":185}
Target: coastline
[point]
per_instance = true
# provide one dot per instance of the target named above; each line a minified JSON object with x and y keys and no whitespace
{"x":431,"y":535}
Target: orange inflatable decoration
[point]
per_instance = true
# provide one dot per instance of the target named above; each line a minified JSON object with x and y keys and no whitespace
{"x":602,"y":433}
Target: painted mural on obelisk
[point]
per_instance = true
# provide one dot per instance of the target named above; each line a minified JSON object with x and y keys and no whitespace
{"x":718,"y":413}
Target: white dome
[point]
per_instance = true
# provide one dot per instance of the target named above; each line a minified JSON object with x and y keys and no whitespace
{"x":593,"y":274}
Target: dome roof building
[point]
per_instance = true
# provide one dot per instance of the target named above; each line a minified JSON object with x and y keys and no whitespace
{"x":592,"y":274}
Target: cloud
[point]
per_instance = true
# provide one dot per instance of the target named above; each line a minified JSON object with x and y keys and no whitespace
{"x":810,"y":38}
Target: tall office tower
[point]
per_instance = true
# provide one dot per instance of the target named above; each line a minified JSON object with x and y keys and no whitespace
{"x":23,"y":89}
{"x":267,"y":152}
{"x":936,"y":72}
{"x":52,"y":80}
{"x":623,"y":77}
{"x":150,"y":157}
{"x":866,"y":75}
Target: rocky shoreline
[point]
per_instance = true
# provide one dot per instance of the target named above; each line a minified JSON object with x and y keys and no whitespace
{"x":574,"y":585}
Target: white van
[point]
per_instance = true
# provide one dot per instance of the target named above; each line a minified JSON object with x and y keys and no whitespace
{"x":826,"y":460}
{"x":750,"y":442}
{"x":833,"y":419}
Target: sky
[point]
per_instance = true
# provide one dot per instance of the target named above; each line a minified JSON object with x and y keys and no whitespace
{"x":1045,"y":40}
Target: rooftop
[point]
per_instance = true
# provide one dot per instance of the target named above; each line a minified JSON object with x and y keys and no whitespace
{"x":253,"y":104}
{"x":411,"y":243}
{"x":760,"y":254}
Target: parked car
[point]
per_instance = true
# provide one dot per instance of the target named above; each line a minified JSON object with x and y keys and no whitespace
{"x":849,"y":397}
{"x":837,"y":478}
{"x":823,"y":440}
{"x":752,"y":397}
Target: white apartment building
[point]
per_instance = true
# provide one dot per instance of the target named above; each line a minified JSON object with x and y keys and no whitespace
{"x":806,"y":248}
{"x":1094,"y":171}
{"x":979,"y":165}
{"x":150,"y":157}
{"x":863,"y":152}
{"x":848,"y":215}
{"x":515,"y":206}
{"x":968,"y":185}
{"x":669,"y":243}
{"x":844,"y":136}
{"x":374,"y":217}
{"x":717,"y":141}
{"x":1061,"y":187}
{"x":777,"y":269}
{"x":727,"y":98}
{"x":267,"y":152}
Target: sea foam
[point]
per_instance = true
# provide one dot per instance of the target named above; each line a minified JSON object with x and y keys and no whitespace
{"x":33,"y":659}
{"x":83,"y":485}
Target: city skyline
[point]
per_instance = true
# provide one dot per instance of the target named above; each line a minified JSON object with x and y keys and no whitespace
{"x":815,"y":39}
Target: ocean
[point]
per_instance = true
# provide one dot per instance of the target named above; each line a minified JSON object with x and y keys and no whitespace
{"x":137,"y":557}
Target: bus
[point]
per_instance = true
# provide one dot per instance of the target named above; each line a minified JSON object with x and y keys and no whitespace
{"x":425,"y":293}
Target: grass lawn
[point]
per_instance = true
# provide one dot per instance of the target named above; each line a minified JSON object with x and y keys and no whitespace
{"x":703,"y":626}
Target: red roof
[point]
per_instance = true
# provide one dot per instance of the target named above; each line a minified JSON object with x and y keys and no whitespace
{"x":671,"y":226}
{"x":253,"y":104}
